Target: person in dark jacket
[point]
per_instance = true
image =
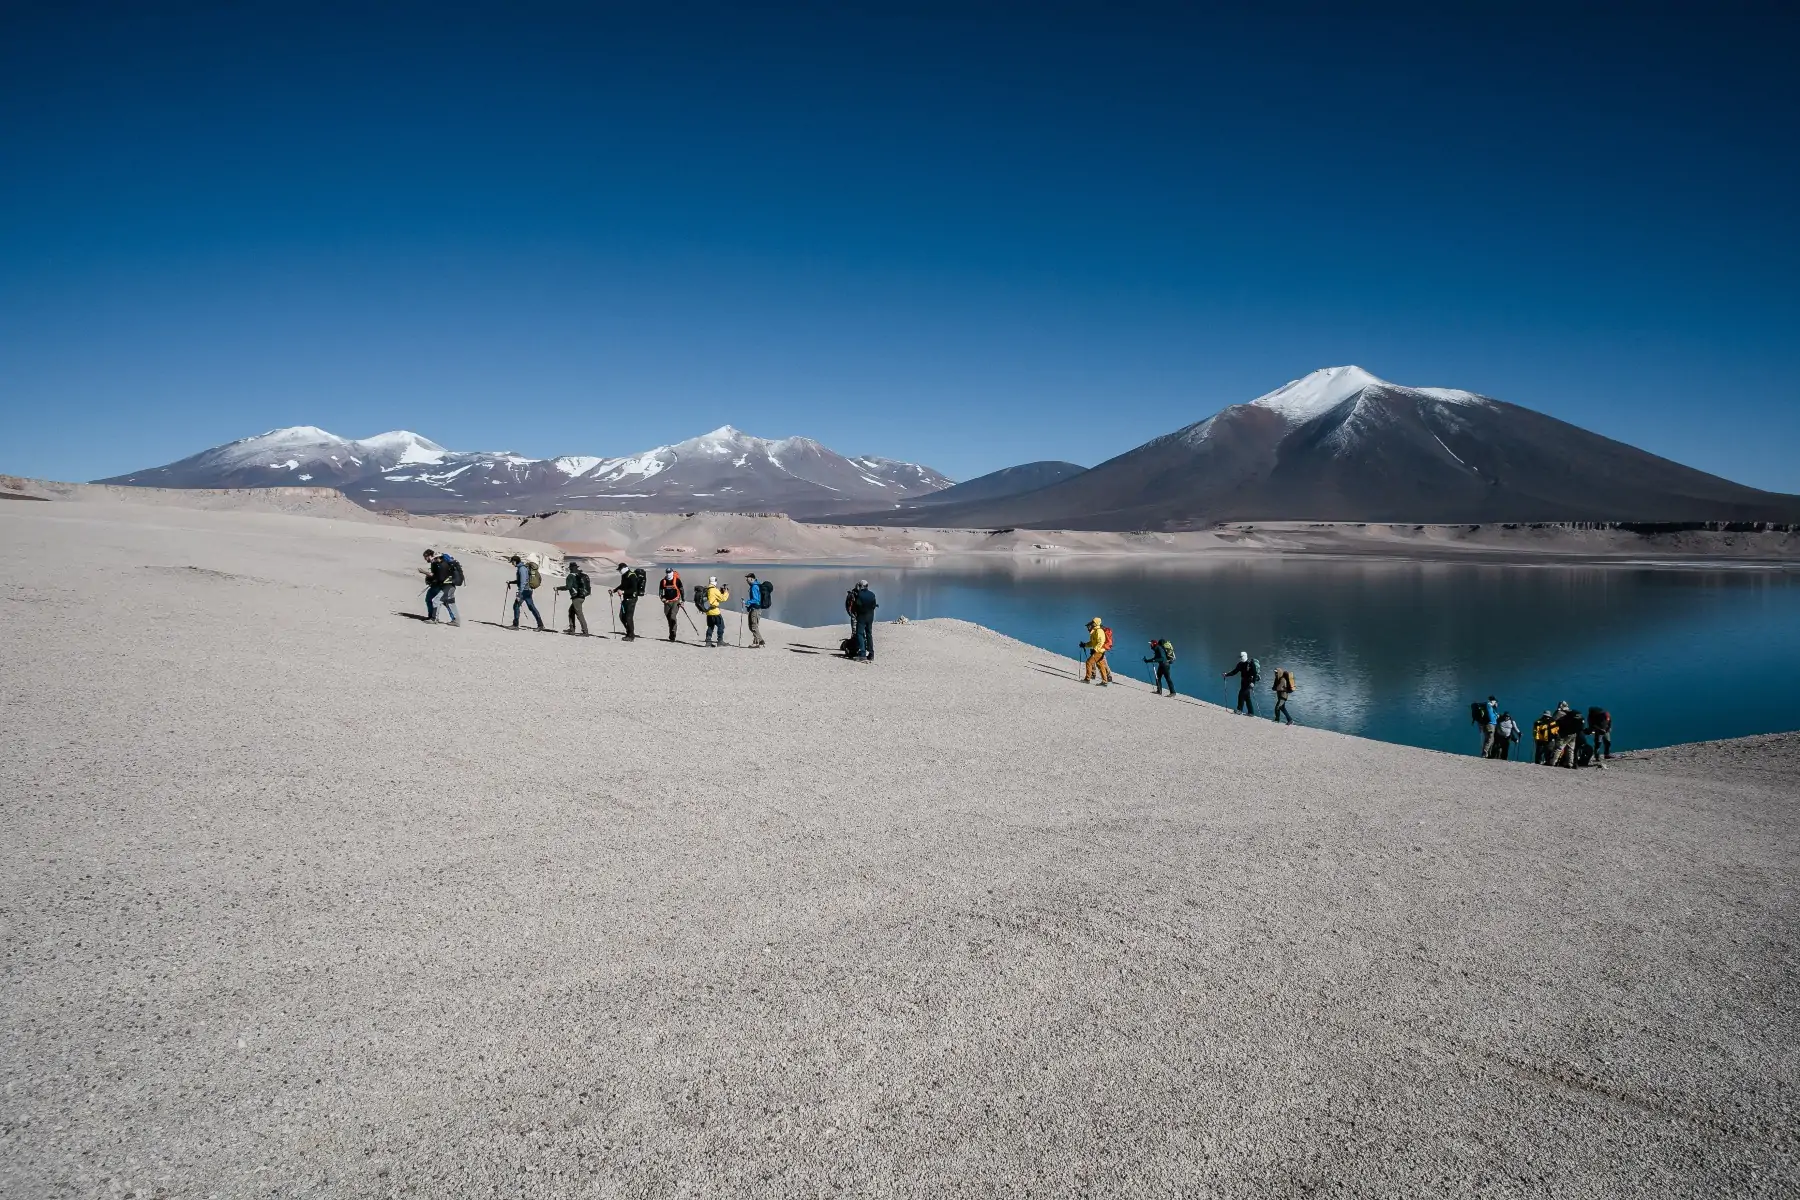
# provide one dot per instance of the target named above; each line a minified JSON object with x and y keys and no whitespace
{"x":522,"y":580}
{"x":1568,"y":730}
{"x":1600,"y":725}
{"x":631,"y":586}
{"x":669,"y":592}
{"x":440,"y":584}
{"x":862,"y":604}
{"x":1162,"y":653}
{"x":579,"y":588}
{"x":1245,"y":670}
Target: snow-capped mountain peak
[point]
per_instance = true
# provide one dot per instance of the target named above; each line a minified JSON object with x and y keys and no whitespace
{"x":1300,"y":400}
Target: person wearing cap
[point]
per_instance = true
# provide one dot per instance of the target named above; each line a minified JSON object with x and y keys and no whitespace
{"x":716,"y":598}
{"x":861,"y":604}
{"x":753,"y":606}
{"x":440,"y":584}
{"x":579,"y":588}
{"x":669,"y":592}
{"x":1095,"y":645}
{"x":522,"y":581}
{"x":631,"y":586}
{"x":1245,"y":670}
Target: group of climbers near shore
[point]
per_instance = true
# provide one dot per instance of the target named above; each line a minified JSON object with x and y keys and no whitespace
{"x":1560,"y":737}
{"x":1099,"y":643}
{"x":444,"y":574}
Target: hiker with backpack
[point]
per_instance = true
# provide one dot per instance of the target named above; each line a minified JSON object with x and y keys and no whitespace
{"x":1600,"y":725}
{"x":1484,"y":716}
{"x":527,"y":580}
{"x":579,"y":588}
{"x":862,"y":605}
{"x":669,"y":592}
{"x":443,"y":575}
{"x":759,"y":596}
{"x":1541,"y":737}
{"x":1162,"y":653}
{"x":715,"y":598}
{"x":1099,"y":641}
{"x":1283,"y":688}
{"x":1567,"y":729}
{"x":632,"y":583}
{"x":1506,"y":732}
{"x":1249,"y":673}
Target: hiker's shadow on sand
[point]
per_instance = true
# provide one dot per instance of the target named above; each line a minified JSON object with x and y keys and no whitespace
{"x":413,"y":616}
{"x":1059,"y":672}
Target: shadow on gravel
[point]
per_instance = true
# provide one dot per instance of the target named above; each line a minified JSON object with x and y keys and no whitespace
{"x":414,"y":617}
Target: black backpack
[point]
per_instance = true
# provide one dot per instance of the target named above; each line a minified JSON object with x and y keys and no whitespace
{"x":1478,"y":713}
{"x":456,"y":574}
{"x":579,"y":587}
{"x":699,"y":595}
{"x":765,"y":593}
{"x":636,"y":582}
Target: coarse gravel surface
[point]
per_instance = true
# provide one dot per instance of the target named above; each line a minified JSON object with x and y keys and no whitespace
{"x":302,"y":896}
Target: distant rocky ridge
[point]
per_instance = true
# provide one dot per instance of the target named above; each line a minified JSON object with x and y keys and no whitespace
{"x":725,"y":470}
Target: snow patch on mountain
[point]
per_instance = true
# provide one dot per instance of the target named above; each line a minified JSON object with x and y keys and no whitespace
{"x":576,"y":464}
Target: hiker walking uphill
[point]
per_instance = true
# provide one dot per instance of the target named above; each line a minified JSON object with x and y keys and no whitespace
{"x":669,"y":592}
{"x":861,"y":605}
{"x":632,"y":583}
{"x":1283,"y":688}
{"x":1249,"y":673}
{"x":1099,"y":641}
{"x":716,"y":598}
{"x":758,"y":596}
{"x":527,"y":580}
{"x":579,"y":589}
{"x":443,"y":575}
{"x":1162,"y":653}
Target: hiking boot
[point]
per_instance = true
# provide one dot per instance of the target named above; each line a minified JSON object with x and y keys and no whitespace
{"x":457,"y":624}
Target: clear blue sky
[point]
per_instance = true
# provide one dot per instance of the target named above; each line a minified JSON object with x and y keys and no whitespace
{"x":969,"y":236}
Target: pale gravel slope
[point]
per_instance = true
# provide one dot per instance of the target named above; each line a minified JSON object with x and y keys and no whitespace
{"x":305,"y":898}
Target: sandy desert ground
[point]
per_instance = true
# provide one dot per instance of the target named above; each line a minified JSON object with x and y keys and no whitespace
{"x":305,"y":897}
{"x":773,"y":537}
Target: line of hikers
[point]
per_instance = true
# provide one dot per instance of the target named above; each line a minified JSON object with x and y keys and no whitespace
{"x":443,"y":575}
{"x":1099,"y":642}
{"x":1559,"y":737}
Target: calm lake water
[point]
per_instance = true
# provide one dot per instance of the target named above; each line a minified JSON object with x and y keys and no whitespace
{"x":1385,"y":649}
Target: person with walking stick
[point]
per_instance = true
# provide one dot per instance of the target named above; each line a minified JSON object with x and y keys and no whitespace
{"x":579,"y":589}
{"x":631,"y":585}
{"x":669,"y":592}
{"x":526,"y":580}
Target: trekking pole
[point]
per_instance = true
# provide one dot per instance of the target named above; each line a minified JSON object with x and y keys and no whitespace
{"x":504,"y":593}
{"x":690,"y":620}
{"x":612,"y":610}
{"x":554,"y":597}
{"x":740,"y":631}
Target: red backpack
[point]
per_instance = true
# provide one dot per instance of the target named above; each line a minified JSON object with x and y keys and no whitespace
{"x":1107,"y":644}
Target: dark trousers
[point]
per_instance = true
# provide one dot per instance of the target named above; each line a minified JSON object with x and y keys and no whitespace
{"x":865,"y":637}
{"x":524,"y":597}
{"x":1245,"y":703}
{"x":672,"y":610}
{"x":1163,"y":677}
{"x":447,"y":594}
{"x":1281,"y":711}
{"x":627,"y":607}
{"x":1602,"y":739}
{"x":1503,"y":748}
{"x":575,"y":613}
{"x":715,"y":622}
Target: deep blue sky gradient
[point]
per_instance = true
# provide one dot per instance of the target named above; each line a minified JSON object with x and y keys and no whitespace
{"x":969,"y":236}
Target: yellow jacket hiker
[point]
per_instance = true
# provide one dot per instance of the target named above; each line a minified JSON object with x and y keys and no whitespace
{"x":1096,"y":648}
{"x":716,"y":597}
